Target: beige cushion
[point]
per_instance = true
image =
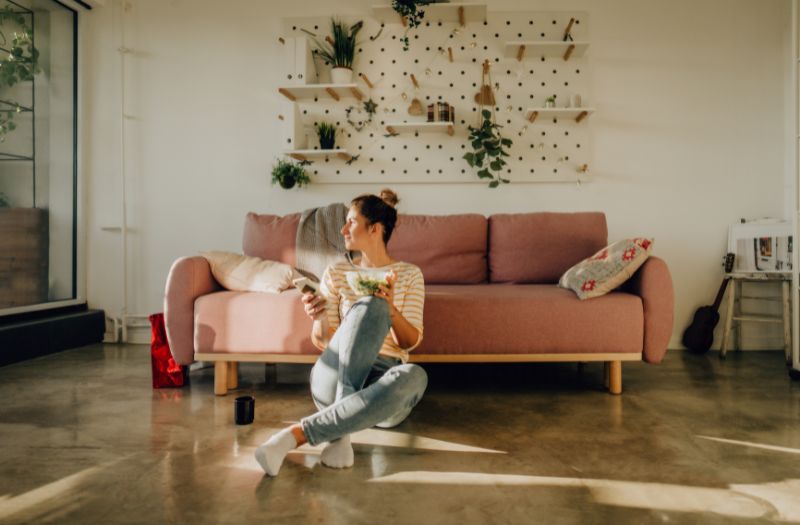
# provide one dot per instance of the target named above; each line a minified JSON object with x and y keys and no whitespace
{"x":245,"y":273}
{"x":607,"y":269}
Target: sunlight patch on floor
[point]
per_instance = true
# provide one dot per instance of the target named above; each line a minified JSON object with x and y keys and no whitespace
{"x":762,"y":446}
{"x":780,"y":500}
{"x":390,"y":438}
{"x":42,"y":498}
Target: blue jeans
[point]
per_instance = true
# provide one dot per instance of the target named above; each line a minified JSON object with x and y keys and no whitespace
{"x":355,"y":388}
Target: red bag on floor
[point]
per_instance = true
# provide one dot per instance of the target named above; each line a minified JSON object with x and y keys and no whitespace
{"x":166,"y":372}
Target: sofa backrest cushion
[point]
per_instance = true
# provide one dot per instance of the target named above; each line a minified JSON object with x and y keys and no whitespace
{"x":540,"y":247}
{"x":449,"y":249}
{"x":271,"y":237}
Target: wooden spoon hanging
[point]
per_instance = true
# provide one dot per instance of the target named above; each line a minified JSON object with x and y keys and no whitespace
{"x":415,"y":108}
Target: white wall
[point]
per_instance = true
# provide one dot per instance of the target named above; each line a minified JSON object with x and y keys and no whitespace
{"x":688,"y":134}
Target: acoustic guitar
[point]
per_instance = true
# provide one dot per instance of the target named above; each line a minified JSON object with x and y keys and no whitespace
{"x":699,"y":336}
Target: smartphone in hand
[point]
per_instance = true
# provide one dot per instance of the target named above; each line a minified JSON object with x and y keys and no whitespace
{"x":306,"y":285}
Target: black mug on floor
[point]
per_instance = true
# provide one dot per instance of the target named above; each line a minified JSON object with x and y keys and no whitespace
{"x":244,"y":409}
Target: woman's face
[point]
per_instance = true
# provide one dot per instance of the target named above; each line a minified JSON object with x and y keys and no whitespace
{"x":357,"y":235}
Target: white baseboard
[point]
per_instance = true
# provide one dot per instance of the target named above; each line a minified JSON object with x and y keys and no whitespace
{"x":140,"y":335}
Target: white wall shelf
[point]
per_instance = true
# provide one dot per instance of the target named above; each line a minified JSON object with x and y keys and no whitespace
{"x":407,"y":127}
{"x":578,"y":114}
{"x":460,"y":12}
{"x":520,"y":49}
{"x":309,"y":91}
{"x":305,"y":154}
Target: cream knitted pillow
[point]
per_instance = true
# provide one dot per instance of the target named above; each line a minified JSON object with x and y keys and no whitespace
{"x":244,"y":273}
{"x":607,"y":269}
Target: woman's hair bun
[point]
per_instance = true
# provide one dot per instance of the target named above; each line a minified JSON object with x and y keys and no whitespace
{"x":389,"y":197}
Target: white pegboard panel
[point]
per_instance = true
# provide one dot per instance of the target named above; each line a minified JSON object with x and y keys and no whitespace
{"x":548,"y":150}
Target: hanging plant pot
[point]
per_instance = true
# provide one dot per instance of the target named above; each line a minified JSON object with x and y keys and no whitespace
{"x":341,"y":75}
{"x":288,"y":174}
{"x":287,"y":183}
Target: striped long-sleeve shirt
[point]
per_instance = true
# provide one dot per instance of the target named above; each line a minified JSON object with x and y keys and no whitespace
{"x":409,"y":299}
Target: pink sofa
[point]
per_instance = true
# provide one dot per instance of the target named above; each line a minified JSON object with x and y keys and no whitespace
{"x":490,"y":295}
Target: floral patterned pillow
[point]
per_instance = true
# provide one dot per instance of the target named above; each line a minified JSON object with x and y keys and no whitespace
{"x":607,"y":269}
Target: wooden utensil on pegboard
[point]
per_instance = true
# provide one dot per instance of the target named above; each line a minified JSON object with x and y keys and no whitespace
{"x":415,"y":108}
{"x":485,"y":97}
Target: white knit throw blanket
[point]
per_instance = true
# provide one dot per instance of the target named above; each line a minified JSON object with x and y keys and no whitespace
{"x":319,"y":241}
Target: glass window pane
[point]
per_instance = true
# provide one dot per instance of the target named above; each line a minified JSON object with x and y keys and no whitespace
{"x":37,"y":152}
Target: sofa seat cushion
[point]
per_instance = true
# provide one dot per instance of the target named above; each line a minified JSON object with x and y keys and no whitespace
{"x":528,"y":318}
{"x":252,"y":323}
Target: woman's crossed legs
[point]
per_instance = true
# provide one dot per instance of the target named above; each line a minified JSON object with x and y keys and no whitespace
{"x":353,"y":387}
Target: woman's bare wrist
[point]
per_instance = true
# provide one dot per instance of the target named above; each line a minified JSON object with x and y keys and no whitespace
{"x":394,"y":313}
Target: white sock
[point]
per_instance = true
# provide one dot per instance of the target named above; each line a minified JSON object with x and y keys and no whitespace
{"x":338,"y":453}
{"x":270,"y":454}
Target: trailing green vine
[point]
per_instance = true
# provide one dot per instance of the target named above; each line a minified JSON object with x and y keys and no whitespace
{"x":410,"y":10}
{"x":489,"y":150}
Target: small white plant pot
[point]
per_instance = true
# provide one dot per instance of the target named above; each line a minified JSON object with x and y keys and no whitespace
{"x":341,"y":75}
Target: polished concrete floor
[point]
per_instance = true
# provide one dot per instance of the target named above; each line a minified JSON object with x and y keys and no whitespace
{"x":85,"y":439}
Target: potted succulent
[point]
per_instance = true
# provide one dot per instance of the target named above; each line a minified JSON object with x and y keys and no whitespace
{"x":327,"y":135}
{"x":287,"y":174}
{"x":340,"y":50}
{"x":550,"y":102}
{"x":489,"y":147}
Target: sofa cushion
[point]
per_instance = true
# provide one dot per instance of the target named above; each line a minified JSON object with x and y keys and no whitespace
{"x":247,"y":273}
{"x":607,"y":269}
{"x":252,"y":323}
{"x":271,"y":237}
{"x":540,"y":247}
{"x":528,"y":318}
{"x":459,"y":319}
{"x":449,"y":249}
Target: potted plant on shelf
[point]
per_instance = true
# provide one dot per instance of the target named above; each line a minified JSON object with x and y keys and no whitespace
{"x":410,"y":12}
{"x":488,"y":147}
{"x":339,"y":51}
{"x":550,"y":102}
{"x":327,"y":135}
{"x":287,"y":174}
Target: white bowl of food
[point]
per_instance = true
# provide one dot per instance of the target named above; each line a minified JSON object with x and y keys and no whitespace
{"x":366,"y":282}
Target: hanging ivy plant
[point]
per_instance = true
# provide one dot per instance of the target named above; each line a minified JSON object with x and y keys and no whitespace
{"x":21,"y":63}
{"x":410,"y":10}
{"x":489,"y":150}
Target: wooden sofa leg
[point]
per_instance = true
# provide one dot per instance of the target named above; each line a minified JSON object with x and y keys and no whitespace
{"x":233,"y":375}
{"x":615,"y":377}
{"x":220,"y":378}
